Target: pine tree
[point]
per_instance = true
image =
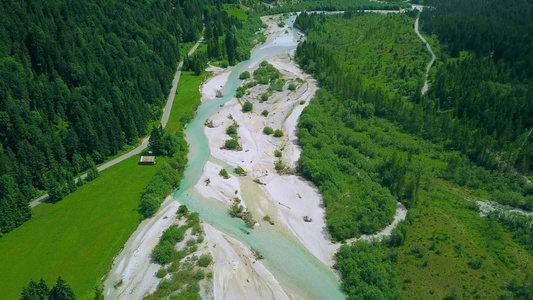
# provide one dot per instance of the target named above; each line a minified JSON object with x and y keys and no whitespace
{"x":62,"y":291}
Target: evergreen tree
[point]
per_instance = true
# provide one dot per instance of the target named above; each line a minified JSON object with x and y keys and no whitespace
{"x":62,"y":291}
{"x":40,"y":291}
{"x":155,"y":143}
{"x":93,"y":173}
{"x":36,"y":291}
{"x":230,"y":47}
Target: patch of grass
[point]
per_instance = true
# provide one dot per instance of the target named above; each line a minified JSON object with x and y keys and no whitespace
{"x":78,"y":237}
{"x":239,"y":170}
{"x":224,"y":173}
{"x":186,"y":101}
{"x":236,"y":10}
{"x":464,"y":249}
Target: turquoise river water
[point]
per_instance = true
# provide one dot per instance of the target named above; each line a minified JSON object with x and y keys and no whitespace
{"x":288,"y":260}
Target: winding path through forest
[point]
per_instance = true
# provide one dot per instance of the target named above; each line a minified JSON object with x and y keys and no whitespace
{"x":144,"y":143}
{"x":425,"y":87}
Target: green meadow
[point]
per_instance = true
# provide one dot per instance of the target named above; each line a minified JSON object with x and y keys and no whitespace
{"x":78,"y":237}
{"x":235,"y":10}
{"x":186,"y":101}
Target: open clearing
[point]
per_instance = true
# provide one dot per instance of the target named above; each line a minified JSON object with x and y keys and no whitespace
{"x":78,"y":237}
{"x":187,"y":99}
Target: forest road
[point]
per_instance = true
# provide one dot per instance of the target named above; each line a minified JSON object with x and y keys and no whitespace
{"x":144,"y":143}
{"x":425,"y":87}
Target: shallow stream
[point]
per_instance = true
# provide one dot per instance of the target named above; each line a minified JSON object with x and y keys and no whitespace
{"x":287,"y":259}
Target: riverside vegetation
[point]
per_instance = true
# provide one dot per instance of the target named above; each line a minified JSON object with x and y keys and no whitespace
{"x":181,"y":269}
{"x":370,"y":138}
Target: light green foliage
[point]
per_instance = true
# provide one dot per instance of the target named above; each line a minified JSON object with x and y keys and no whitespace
{"x":277,"y":153}
{"x":185,"y":102}
{"x":236,"y":10}
{"x":224,"y":173}
{"x":236,"y":208}
{"x":264,"y":97}
{"x":239,"y":170}
{"x":464,"y":248}
{"x":292,"y":87}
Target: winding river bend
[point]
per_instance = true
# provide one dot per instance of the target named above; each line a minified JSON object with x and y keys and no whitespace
{"x":425,"y":87}
{"x":289,"y":261}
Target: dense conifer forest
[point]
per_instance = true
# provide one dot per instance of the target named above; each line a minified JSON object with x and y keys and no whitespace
{"x":80,"y":81}
{"x":484,"y":97}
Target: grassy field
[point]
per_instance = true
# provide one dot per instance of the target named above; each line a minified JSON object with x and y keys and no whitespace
{"x":235,"y":10}
{"x":78,"y":237}
{"x":449,"y":247}
{"x":187,"y":99}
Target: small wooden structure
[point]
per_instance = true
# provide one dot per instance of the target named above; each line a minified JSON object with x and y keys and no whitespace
{"x":147,"y":160}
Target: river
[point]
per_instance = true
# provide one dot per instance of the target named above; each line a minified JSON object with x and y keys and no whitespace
{"x":289,"y":261}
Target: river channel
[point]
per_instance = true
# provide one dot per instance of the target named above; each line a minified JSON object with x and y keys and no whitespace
{"x":287,"y":259}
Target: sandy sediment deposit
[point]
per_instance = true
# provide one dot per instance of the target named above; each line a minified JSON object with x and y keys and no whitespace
{"x":237,"y":272}
{"x":133,"y":272}
{"x":284,"y":197}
